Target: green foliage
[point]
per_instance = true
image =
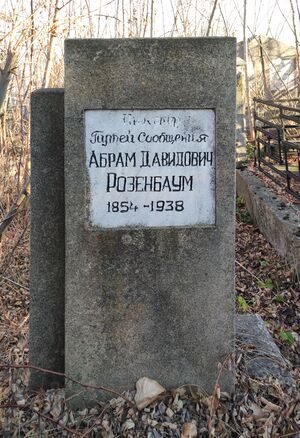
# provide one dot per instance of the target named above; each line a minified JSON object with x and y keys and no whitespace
{"x":267,"y":284}
{"x":245,"y":217}
{"x":264,"y":263}
{"x":287,"y":337}
{"x":240,"y":202}
{"x":250,"y":150}
{"x":279,"y":298}
{"x":241,"y":211}
{"x":244,"y":305}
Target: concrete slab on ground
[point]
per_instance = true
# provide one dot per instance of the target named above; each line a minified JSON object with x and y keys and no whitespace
{"x":278,"y":222}
{"x":264,"y":358}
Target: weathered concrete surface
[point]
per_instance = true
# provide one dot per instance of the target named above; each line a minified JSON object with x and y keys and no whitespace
{"x":279,"y":222}
{"x":149,"y":302}
{"x":47,"y":259}
{"x":264,"y":358}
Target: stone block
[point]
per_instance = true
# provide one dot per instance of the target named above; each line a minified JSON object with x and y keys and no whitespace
{"x":264,"y":358}
{"x":277,"y":221}
{"x":47,"y":241}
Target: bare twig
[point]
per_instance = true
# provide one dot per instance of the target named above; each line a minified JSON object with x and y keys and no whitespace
{"x":247,"y":270}
{"x":22,"y":199}
{"x":46,"y":417}
{"x":14,"y":282}
{"x":74,"y":432}
{"x":57,"y":373}
{"x":50,"y":47}
{"x":9,"y":256}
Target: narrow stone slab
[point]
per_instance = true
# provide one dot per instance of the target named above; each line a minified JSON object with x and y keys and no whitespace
{"x":47,"y":241}
{"x":152,"y":299}
{"x":265,"y":359}
{"x":278,"y":222}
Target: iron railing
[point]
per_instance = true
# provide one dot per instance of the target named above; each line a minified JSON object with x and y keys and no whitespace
{"x":277,"y":141}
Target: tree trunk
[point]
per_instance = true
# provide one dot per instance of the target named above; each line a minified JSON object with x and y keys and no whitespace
{"x":248,"y":109}
{"x":5,"y":76}
{"x":50,"y":54}
{"x":297,"y":48}
{"x":211,"y":18}
{"x":267,"y":92}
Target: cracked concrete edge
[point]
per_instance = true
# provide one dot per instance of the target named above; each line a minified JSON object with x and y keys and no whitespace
{"x":263,"y":358}
{"x":279,"y":222}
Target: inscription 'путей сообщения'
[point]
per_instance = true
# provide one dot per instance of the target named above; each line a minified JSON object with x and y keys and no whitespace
{"x":152,"y":168}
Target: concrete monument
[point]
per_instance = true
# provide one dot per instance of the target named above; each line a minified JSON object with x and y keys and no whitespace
{"x":149,"y":189}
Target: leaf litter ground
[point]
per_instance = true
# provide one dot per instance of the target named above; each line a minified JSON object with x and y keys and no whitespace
{"x":264,"y":285}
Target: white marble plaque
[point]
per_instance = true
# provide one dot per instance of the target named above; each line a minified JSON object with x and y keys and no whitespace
{"x":150,"y":168}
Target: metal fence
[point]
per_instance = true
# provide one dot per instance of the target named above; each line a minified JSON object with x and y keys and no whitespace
{"x":277,"y":141}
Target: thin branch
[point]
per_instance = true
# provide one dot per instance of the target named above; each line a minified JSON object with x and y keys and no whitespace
{"x":8,"y":257}
{"x":224,"y":21}
{"x":46,"y":417}
{"x":151,"y":18}
{"x":14,"y":282}
{"x":247,"y":270}
{"x":57,"y":373}
{"x":211,"y":18}
{"x":50,"y":47}
{"x":74,"y":432}
{"x":22,"y":199}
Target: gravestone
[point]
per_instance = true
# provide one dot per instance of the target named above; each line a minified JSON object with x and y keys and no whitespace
{"x":149,"y":189}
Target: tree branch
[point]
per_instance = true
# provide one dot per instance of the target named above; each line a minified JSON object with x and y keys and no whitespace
{"x":57,"y":373}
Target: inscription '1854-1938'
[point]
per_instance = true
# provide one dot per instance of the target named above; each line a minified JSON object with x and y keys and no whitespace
{"x":150,"y":168}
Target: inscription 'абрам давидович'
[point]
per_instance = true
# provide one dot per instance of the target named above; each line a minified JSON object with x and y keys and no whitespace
{"x":151,"y":168}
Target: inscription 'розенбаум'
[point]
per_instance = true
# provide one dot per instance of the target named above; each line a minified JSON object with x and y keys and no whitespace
{"x":150,"y":161}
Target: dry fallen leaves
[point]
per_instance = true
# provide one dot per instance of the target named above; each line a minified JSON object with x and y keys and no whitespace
{"x":189,"y":430}
{"x":147,"y":391}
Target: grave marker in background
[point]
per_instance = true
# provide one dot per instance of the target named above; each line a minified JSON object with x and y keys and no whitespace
{"x":149,"y":290}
